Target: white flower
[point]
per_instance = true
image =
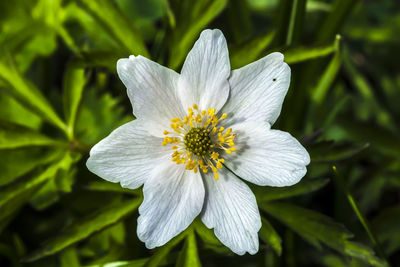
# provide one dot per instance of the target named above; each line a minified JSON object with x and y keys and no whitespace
{"x":192,"y":131}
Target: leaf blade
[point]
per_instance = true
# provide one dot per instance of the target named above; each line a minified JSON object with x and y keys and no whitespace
{"x":108,"y":15}
{"x":270,"y":236}
{"x":303,"y":187}
{"x":189,"y":256}
{"x":28,"y":94}
{"x":198,"y":16}
{"x":83,"y":228}
{"x":14,"y":136}
{"x":74,"y":83}
{"x":319,"y":229}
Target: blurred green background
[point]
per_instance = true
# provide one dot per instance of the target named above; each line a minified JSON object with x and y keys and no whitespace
{"x":60,"y":94}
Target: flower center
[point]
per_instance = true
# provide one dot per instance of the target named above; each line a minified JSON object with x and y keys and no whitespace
{"x":197,"y":141}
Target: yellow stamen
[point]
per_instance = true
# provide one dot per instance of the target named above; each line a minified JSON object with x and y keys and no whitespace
{"x":195,"y":138}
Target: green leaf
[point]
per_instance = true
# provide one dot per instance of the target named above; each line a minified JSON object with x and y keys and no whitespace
{"x":386,"y":227}
{"x":305,"y":186}
{"x":106,"y":59}
{"x":270,"y":236}
{"x":52,"y":15}
{"x":16,"y":194}
{"x":13,"y":111}
{"x":319,"y":229}
{"x":39,"y":176}
{"x":162,"y":253}
{"x":209,"y":238}
{"x":300,"y":54}
{"x":51,"y":191}
{"x":329,"y":151}
{"x":314,"y":5}
{"x":15,"y":136}
{"x":335,"y":260}
{"x":111,"y":18}
{"x":69,"y":257}
{"x":194,"y":17}
{"x":239,"y":20}
{"x":249,"y":51}
{"x":339,"y":106}
{"x":45,"y":196}
{"x":83,"y":228}
{"x":378,"y":137}
{"x":318,"y":94}
{"x":312,"y":226}
{"x":98,"y":116}
{"x":111,"y":187}
{"x":9,"y":209}
{"x":29,"y":95}
{"x":108,"y":243}
{"x":371,"y":105}
{"x":20,"y":161}
{"x":281,"y":21}
{"x":295,"y":29}
{"x":334,"y":20}
{"x":74,"y":83}
{"x":189,"y":257}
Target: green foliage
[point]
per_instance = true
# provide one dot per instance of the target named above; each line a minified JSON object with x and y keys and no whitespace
{"x":271,"y":237}
{"x":28,"y":94}
{"x":303,"y":187}
{"x":193,"y":18}
{"x":15,"y":136}
{"x":86,"y":226}
{"x":74,"y":83}
{"x":250,"y":51}
{"x":113,"y":21}
{"x":98,"y":109}
{"x":189,"y":257}
{"x":319,"y":229}
{"x":327,"y":79}
{"x":60,"y":95}
{"x":386,"y":228}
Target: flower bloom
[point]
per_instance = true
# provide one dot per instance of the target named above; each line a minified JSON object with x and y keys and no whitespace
{"x":195,"y":134}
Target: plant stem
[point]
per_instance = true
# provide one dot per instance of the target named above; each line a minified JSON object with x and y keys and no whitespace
{"x":360,"y":215}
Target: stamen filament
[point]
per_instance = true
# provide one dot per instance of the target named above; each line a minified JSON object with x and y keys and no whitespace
{"x":196,"y":140}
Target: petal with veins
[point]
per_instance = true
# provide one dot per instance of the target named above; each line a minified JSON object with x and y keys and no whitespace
{"x":204,"y":77}
{"x":258,"y":90}
{"x":231,"y":209}
{"x":267,"y":157}
{"x":152,"y":91}
{"x":173,"y":197}
{"x":127,"y":155}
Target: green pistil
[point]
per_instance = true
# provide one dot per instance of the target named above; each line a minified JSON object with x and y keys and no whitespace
{"x":198,"y":142}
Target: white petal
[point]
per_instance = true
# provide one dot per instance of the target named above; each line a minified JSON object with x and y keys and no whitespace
{"x":231,"y":209}
{"x":258,"y":90}
{"x":267,"y":157}
{"x":204,"y":77}
{"x":152,"y":91}
{"x":173,"y":197}
{"x":127,"y":155}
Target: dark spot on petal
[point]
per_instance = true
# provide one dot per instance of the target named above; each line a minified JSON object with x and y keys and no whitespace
{"x":274,"y":79}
